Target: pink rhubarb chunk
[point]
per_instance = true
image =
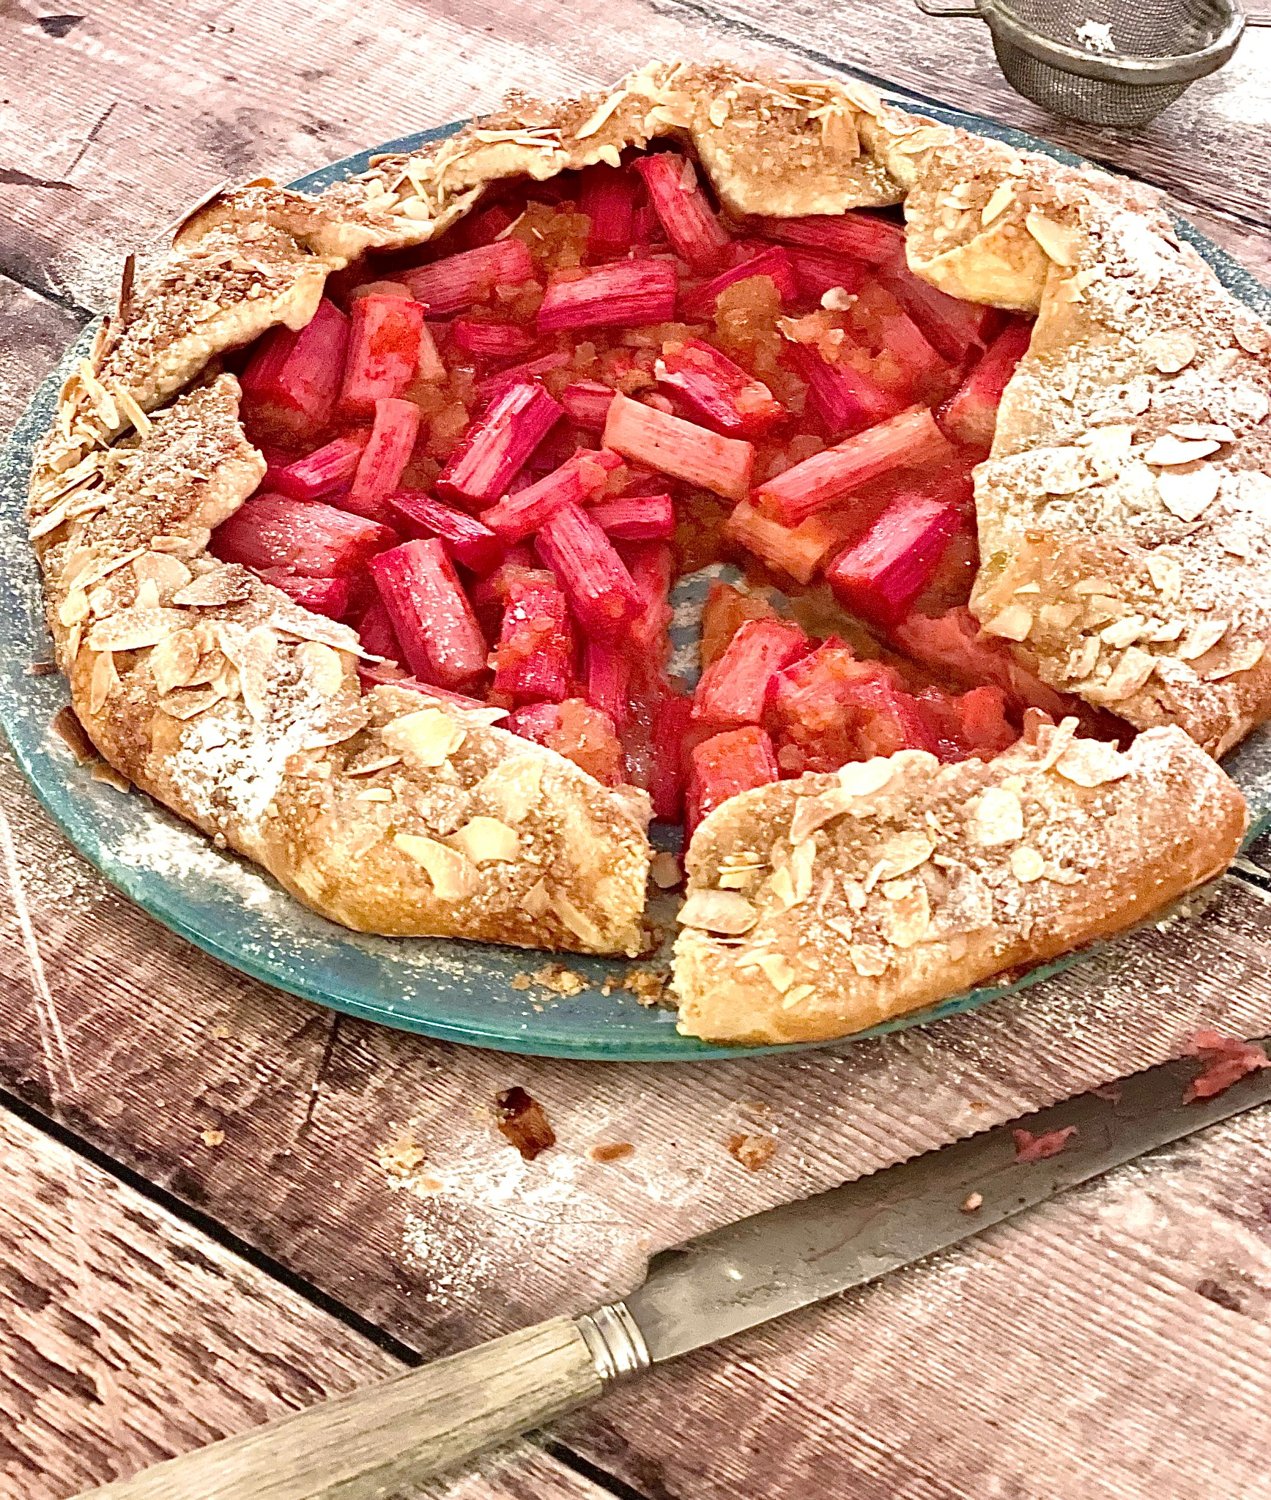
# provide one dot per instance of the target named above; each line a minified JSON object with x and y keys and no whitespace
{"x":431,"y":615}
{"x":724,"y":765}
{"x":883,"y":573}
{"x":842,"y":398}
{"x":383,"y":356}
{"x":470,"y":542}
{"x":324,"y":470}
{"x":717,"y":391}
{"x":586,"y":402}
{"x":457,"y":282}
{"x":695,"y":233}
{"x":970,"y":414}
{"x":533,"y":659}
{"x":301,"y":536}
{"x":386,"y":454}
{"x":857,"y":235}
{"x":293,"y":377}
{"x":496,"y":447}
{"x":607,"y":196}
{"x":681,"y":449}
{"x":494,"y":341}
{"x":324,"y":596}
{"x":774,"y":263}
{"x":734,"y":689}
{"x":622,"y":294}
{"x":575,"y":481}
{"x":636,"y":518}
{"x":601,"y":592}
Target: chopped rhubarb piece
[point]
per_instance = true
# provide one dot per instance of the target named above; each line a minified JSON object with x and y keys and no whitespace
{"x":431,"y":615}
{"x":493,"y":386}
{"x":587,"y":403}
{"x":652,"y":568}
{"x":581,"y":476}
{"x":636,"y":518}
{"x":858,"y":235}
{"x":1030,"y":1147}
{"x":970,"y":414}
{"x":774,"y":263}
{"x":490,"y":594}
{"x":906,"y":343}
{"x":607,"y":196}
{"x":843,"y":399}
{"x":967,"y":724}
{"x":1224,"y":1061}
{"x":302,"y":536}
{"x":622,"y":294}
{"x":324,"y":596}
{"x":369,"y":507}
{"x":292,"y":379}
{"x":387,"y":452}
{"x":375,"y":631}
{"x":601,"y":592}
{"x":718,"y":391}
{"x":797,"y":550}
{"x":383,"y":352}
{"x":494,"y":449}
{"x":695,"y":233}
{"x":457,"y":282}
{"x":817,"y":272}
{"x":734,"y":689}
{"x":607,"y":681}
{"x":577,"y":731}
{"x":952,"y":326}
{"x":670,"y":756}
{"x":325,"y":469}
{"x":726,"y":610}
{"x":491,"y":340}
{"x":724,"y":765}
{"x":809,"y":711}
{"x":901,"y":442}
{"x":487,"y":225}
{"x":532,"y":662}
{"x":469,"y":541}
{"x":881,"y":575}
{"x":678,"y":448}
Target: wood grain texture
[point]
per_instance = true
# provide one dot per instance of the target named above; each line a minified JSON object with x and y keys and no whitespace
{"x":127,"y":1336}
{"x":113,"y":126}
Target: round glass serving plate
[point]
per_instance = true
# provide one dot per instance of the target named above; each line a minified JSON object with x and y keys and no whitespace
{"x":471,"y":993}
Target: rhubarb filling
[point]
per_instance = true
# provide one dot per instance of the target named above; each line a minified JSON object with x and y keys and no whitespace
{"x":501,"y":460}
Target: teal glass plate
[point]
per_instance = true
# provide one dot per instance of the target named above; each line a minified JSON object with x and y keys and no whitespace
{"x":459,"y":992}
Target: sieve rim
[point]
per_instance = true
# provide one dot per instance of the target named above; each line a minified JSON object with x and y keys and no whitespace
{"x":1183,"y":67}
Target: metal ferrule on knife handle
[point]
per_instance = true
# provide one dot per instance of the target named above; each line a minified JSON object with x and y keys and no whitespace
{"x":614,"y":1340}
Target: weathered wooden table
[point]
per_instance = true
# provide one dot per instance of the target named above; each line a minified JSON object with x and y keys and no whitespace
{"x":219,"y":1202}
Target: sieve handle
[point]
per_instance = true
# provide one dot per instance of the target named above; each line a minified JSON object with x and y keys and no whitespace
{"x":953,"y":8}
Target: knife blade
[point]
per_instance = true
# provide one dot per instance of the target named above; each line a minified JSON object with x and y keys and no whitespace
{"x":389,"y":1437}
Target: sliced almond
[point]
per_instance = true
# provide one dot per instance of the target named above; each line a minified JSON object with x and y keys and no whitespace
{"x":998,"y":201}
{"x":1202,"y":637}
{"x":103,"y":683}
{"x":815,"y":811}
{"x":1219,"y":432}
{"x":426,"y":738}
{"x":906,"y":918}
{"x":73,"y":609}
{"x":1166,"y":574}
{"x":169,"y":574}
{"x":723,"y":912}
{"x":601,"y":115}
{"x":1091,"y":763}
{"x":1129,"y":675}
{"x":802,"y":858}
{"x":1170,"y":351}
{"x":1168,"y":450}
{"x":1027,"y":864}
{"x":1012,"y":623}
{"x":513,"y":787}
{"x":997,"y":817}
{"x":452,"y":874}
{"x":487,"y":841}
{"x":1253,"y":338}
{"x":862,"y":778}
{"x":323,"y":667}
{"x":174,"y":661}
{"x":227,"y":585}
{"x":1053,"y":741}
{"x":134,"y":629}
{"x":777,"y":970}
{"x":1122,"y":633}
{"x":869,"y":959}
{"x":1188,"y":493}
{"x":1241,"y":658}
{"x":1060,"y":242}
{"x":901,"y":853}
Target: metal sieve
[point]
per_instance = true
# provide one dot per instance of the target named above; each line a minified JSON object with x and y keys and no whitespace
{"x":1108,"y":62}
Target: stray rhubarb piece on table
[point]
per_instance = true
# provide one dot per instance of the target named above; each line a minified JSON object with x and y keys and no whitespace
{"x":486,"y":340}
{"x":716,"y":390}
{"x":383,"y":357}
{"x":457,"y":282}
{"x":324,"y":470}
{"x":858,"y":235}
{"x":970,"y":414}
{"x":880,"y":576}
{"x":469,"y":541}
{"x":387,"y":452}
{"x":534,"y":656}
{"x":842,"y":399}
{"x":607,"y":680}
{"x":586,"y":402}
{"x":734,"y":690}
{"x":774,"y":263}
{"x":601,"y":592}
{"x":324,"y":596}
{"x":903,"y":441}
{"x":495,"y":448}
{"x":724,"y":765}
{"x":301,"y":536}
{"x":582,"y":475}
{"x":636,"y":518}
{"x":431,"y":615}
{"x":293,"y":377}
{"x":681,"y":449}
{"x":621,"y":294}
{"x":607,"y":195}
{"x":696,"y":235}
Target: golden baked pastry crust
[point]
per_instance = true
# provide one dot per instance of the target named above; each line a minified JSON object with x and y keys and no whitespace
{"x":240,"y":711}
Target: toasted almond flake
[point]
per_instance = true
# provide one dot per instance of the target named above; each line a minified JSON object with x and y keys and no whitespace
{"x":796,"y":995}
{"x":664,"y":869}
{"x":1083,"y":659}
{"x":221,"y":585}
{"x":452,"y":874}
{"x":487,"y":841}
{"x":375,"y":794}
{"x":999,"y":200}
{"x":815,"y":811}
{"x":370,"y":767}
{"x":131,"y":411}
{"x":1219,"y":432}
{"x":601,"y":115}
{"x":1060,"y":242}
{"x":1253,"y":338}
{"x":1027,"y":864}
{"x":906,"y":918}
{"x":1188,"y":493}
{"x":862,"y":96}
{"x":1085,"y":586}
{"x":103,"y":683}
{"x":997,"y":817}
{"x":1129,"y":675}
{"x":1059,"y":617}
{"x":1168,"y":451}
{"x":1122,"y":633}
{"x":718,"y":112}
{"x":185,"y":703}
{"x":1054,"y":741}
{"x":169,"y":574}
{"x":147,"y":595}
{"x":74,"y":608}
{"x":777,"y":970}
{"x":1012,"y":623}
{"x":781,"y":887}
{"x":1166,"y":575}
{"x":901,"y":853}
{"x":1091,"y":763}
{"x":723,"y":912}
{"x":862,"y":778}
{"x":535,"y":901}
{"x":1202,"y":637}
{"x":923,"y":139}
{"x":802,"y":858}
{"x":174,"y":661}
{"x":869,"y":959}
{"x":134,"y":629}
{"x":426,"y":738}
{"x":1169,"y":352}
{"x":578,"y":921}
{"x":1241,"y":658}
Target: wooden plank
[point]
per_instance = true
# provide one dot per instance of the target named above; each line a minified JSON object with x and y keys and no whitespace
{"x":126,"y":1336}
{"x":116,"y":123}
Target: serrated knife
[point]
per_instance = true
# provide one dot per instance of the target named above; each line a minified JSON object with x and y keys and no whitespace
{"x":385,"y":1439}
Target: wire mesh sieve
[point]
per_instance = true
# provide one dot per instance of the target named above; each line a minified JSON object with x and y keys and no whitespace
{"x":1117,"y":63}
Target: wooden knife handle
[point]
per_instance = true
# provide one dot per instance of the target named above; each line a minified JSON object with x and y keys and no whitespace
{"x":377,"y":1440}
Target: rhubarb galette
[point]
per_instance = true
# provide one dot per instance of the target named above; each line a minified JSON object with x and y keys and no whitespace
{"x":361,"y":523}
